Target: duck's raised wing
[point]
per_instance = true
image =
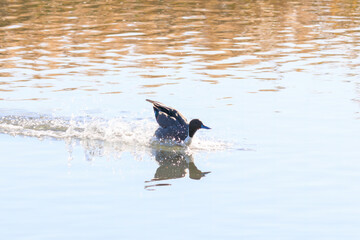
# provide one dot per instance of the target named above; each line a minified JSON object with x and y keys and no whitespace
{"x":167,"y":116}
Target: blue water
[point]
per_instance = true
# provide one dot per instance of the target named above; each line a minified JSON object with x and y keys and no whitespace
{"x":277,"y":82}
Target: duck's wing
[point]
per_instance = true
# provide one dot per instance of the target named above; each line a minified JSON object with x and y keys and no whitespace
{"x":167,"y":116}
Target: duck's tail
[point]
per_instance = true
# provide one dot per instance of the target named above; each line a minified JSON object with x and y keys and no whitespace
{"x":156,"y":103}
{"x":151,"y":101}
{"x":156,"y":110}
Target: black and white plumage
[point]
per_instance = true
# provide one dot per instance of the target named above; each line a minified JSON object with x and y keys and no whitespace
{"x":173,"y":125}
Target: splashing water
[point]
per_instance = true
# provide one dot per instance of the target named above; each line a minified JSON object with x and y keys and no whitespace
{"x":99,"y":135}
{"x":114,"y":130}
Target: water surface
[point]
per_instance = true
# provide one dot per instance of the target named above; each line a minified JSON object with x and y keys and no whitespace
{"x":277,"y":81}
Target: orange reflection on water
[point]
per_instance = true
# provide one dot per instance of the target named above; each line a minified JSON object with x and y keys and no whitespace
{"x":95,"y":37}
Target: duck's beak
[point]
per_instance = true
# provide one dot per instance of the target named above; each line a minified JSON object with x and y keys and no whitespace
{"x":205,"y":127}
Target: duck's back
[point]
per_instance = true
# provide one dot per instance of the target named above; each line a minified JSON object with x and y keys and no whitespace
{"x":176,"y":133}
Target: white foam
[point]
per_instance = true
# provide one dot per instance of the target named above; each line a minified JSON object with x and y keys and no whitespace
{"x":101,"y":135}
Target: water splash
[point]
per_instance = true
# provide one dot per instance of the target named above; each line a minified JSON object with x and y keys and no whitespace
{"x":99,"y":136}
{"x":82,"y":128}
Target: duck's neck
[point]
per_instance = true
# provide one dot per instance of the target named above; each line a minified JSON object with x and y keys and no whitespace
{"x":191,"y":131}
{"x":187,"y":140}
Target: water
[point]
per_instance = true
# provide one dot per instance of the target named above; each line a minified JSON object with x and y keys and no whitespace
{"x":278,"y":82}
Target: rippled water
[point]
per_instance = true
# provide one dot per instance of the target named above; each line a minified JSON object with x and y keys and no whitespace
{"x":277,"y":81}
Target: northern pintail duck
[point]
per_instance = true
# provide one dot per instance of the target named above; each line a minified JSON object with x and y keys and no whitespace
{"x":173,"y":125}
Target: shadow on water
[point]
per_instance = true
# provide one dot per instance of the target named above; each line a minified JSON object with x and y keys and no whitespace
{"x":173,"y":165}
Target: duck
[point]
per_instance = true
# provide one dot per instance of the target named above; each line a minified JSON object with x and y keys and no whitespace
{"x":173,"y":125}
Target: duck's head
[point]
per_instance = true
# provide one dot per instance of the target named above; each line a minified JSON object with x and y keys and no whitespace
{"x":195,"y":125}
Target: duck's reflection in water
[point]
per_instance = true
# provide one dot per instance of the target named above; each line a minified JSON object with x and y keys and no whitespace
{"x":172,"y":165}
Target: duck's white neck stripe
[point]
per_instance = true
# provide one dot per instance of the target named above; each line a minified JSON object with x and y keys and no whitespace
{"x":187,"y":141}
